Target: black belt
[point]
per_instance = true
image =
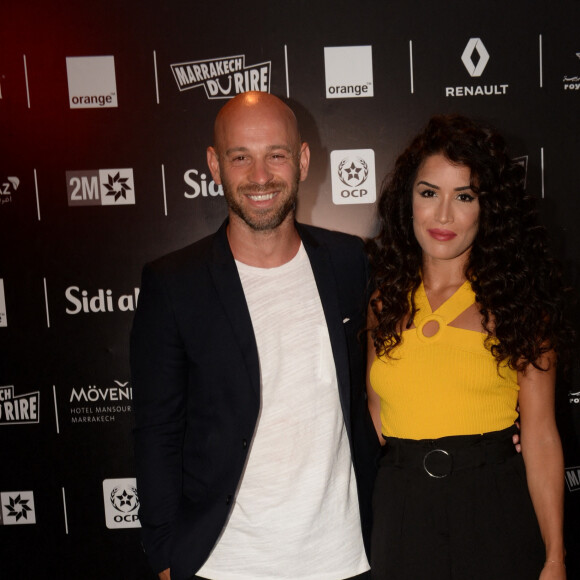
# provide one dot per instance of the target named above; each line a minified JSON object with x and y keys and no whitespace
{"x":439,"y":458}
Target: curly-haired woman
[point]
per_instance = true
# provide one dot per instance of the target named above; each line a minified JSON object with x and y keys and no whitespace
{"x":465,"y":324}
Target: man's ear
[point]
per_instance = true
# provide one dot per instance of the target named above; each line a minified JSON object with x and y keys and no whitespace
{"x":213,"y":164}
{"x":304,"y":162}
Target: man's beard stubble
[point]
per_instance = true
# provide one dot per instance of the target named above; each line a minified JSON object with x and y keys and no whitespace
{"x":267,"y":219}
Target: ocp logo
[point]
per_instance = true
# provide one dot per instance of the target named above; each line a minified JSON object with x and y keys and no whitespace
{"x":353,"y":176}
{"x":475,"y":45}
{"x":100,"y":187}
{"x":121,"y":503}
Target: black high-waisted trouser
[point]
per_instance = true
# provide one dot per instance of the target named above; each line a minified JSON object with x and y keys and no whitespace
{"x":454,"y":508}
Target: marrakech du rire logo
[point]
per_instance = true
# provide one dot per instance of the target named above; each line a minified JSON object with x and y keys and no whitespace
{"x":222,"y":78}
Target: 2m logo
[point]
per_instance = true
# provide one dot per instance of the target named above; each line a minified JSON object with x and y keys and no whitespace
{"x":84,"y":189}
{"x":100,"y":187}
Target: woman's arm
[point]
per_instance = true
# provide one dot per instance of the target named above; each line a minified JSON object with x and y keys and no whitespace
{"x":374,"y":400}
{"x":542,"y":453}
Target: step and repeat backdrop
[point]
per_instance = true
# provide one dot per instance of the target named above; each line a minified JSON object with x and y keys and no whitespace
{"x":106,"y":110}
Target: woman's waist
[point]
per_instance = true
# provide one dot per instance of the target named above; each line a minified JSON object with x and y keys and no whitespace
{"x":438,"y":458}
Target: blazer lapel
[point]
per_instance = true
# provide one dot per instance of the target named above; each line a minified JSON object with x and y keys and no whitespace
{"x":231,"y":294}
{"x":328,"y":290}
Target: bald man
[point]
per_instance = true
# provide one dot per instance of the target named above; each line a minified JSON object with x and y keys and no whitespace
{"x":253,"y":442}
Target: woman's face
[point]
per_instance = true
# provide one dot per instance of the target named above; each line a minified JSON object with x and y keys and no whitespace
{"x":445,"y":209}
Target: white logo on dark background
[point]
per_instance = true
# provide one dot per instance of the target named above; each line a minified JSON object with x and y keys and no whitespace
{"x":17,"y":508}
{"x":573,"y":478}
{"x":18,"y":409}
{"x":475,"y":57}
{"x":572,"y":82}
{"x":8,"y":188}
{"x":100,"y":187}
{"x":101,"y":301}
{"x":96,"y":404}
{"x":353,"y":176}
{"x":348,"y":71}
{"x":121,"y":503}
{"x":3,"y":317}
{"x":199,"y":185}
{"x":574,"y":398}
{"x":223,"y":78}
{"x":91,"y":82}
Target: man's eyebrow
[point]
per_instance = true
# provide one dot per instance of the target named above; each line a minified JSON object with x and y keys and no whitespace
{"x":283,"y":147}
{"x":232,"y":150}
{"x":236,"y":150}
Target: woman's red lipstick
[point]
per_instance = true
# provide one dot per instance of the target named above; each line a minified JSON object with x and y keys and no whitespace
{"x":442,"y":235}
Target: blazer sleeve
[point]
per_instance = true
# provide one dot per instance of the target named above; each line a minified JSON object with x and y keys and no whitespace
{"x":159,"y":379}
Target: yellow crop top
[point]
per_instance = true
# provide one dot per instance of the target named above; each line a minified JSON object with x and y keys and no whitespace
{"x":446,"y":384}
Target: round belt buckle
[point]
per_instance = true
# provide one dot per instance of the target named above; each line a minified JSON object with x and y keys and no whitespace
{"x":449,"y":462}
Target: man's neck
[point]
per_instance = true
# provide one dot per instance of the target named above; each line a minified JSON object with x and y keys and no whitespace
{"x":263,"y":249}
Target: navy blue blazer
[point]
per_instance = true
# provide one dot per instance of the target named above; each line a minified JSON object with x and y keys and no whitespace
{"x":196,"y":387}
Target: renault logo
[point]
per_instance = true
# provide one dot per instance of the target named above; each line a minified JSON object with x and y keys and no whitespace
{"x":475,"y":46}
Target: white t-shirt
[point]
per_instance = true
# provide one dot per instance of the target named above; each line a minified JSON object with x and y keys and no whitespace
{"x":296,"y":512}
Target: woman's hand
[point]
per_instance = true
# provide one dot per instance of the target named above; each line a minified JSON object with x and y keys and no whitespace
{"x":553,"y":570}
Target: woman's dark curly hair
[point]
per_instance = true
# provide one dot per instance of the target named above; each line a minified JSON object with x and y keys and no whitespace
{"x":518,"y":286}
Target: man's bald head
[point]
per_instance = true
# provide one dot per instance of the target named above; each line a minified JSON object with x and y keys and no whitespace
{"x":254,"y":107}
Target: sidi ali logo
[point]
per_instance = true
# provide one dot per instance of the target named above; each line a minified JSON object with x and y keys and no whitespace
{"x":100,"y":187}
{"x":198,"y":185}
{"x":103,"y":300}
{"x":17,"y":508}
{"x":223,"y":78}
